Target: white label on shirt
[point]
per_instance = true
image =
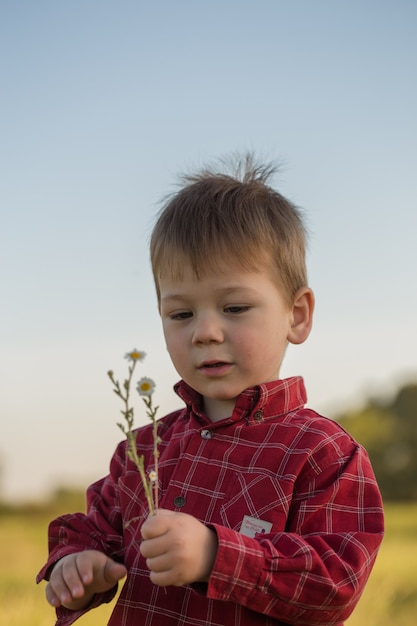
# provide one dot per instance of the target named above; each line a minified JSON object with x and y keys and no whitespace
{"x":252,"y":525}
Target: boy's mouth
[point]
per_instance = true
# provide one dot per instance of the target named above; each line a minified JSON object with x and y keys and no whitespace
{"x":214,"y":369}
{"x":212,"y":364}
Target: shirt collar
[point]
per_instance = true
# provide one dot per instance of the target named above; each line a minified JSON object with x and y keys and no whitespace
{"x":256,"y":403}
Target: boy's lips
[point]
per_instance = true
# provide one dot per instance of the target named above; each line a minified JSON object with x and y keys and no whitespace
{"x":214,"y":368}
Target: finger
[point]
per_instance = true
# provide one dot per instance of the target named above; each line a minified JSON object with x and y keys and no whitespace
{"x":158,"y":523}
{"x":159,"y":563}
{"x":164,"y":579}
{"x":85,"y":563}
{"x":72,"y":578}
{"x":57,"y":586}
{"x":96,"y":568}
{"x":51,"y":596}
{"x":113,"y":571}
{"x":155,"y":547}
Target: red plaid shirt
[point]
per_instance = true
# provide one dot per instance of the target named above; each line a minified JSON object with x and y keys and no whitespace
{"x":301,"y":476}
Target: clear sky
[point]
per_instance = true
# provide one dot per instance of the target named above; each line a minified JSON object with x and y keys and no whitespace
{"x":103,"y":103}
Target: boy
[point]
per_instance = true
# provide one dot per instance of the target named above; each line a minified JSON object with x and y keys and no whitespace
{"x":269,"y":513}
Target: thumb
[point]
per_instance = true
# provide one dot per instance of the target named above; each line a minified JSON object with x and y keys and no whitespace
{"x":114,"y":571}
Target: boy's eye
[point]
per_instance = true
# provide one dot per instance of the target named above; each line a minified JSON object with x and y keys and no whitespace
{"x":236,"y":309}
{"x":181,"y":315}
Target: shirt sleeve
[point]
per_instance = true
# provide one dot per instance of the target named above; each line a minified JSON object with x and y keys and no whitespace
{"x":315,"y":571}
{"x":100,"y":529}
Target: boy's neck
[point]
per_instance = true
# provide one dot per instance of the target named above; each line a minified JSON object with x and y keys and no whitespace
{"x":217,"y":410}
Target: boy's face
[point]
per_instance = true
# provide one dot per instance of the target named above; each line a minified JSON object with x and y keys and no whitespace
{"x":225,"y":332}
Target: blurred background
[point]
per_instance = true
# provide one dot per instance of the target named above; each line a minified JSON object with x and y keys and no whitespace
{"x":103,"y":104}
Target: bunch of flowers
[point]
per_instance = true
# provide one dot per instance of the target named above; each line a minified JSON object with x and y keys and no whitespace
{"x":145,"y":388}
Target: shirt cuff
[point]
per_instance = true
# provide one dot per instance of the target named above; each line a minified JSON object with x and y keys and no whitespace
{"x":238,"y":567}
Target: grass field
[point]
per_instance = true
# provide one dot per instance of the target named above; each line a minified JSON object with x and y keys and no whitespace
{"x":390,"y":597}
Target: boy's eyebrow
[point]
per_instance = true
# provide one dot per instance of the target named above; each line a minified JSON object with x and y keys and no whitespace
{"x":231,"y":290}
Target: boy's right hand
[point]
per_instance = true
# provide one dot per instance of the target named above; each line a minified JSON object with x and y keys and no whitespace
{"x":77,"y":577}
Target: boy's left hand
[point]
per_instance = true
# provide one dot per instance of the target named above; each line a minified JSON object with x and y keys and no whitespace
{"x":178,"y":549}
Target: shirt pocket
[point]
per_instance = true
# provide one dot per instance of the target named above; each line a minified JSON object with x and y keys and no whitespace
{"x":257,"y":495}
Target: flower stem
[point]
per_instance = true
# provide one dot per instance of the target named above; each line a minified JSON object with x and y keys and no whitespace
{"x":150,"y":485}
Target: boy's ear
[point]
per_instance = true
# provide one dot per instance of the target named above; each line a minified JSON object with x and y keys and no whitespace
{"x":302,"y":312}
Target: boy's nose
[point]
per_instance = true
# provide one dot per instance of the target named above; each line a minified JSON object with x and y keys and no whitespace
{"x":207,"y":329}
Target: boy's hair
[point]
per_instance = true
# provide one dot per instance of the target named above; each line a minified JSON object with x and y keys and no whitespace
{"x":218,"y":219}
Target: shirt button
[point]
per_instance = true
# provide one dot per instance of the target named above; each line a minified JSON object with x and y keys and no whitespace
{"x":206,"y":434}
{"x":179,"y":501}
{"x":258,"y":416}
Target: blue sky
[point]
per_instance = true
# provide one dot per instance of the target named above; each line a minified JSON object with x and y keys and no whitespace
{"x":103,"y":104}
